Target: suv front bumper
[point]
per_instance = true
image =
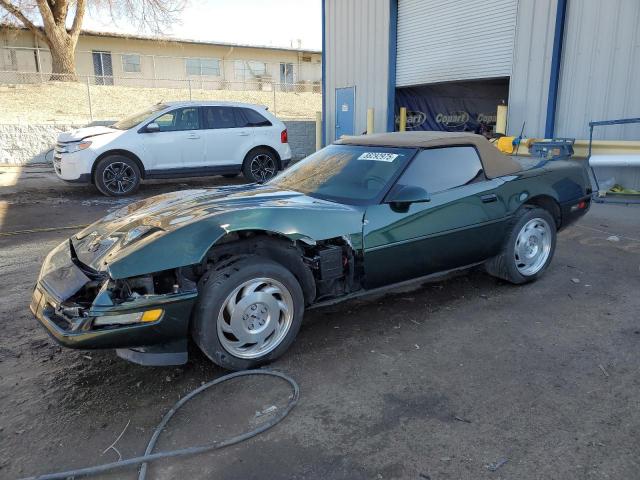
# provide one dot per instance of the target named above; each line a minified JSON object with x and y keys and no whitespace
{"x":73,"y":167}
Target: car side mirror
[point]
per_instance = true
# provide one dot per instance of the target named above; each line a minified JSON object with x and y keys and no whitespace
{"x":152,"y":127}
{"x":402,"y":196}
{"x":407,"y":194}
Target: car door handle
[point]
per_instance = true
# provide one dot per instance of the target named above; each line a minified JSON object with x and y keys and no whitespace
{"x":243,"y":134}
{"x":491,"y":197}
{"x":193,"y":136}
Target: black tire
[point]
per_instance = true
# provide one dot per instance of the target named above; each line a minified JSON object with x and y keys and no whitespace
{"x":260,"y":165}
{"x":109,"y":168}
{"x":214,"y":289}
{"x":505,"y":265}
{"x":230,"y":175}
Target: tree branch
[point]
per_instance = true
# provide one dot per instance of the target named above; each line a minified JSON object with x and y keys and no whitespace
{"x":13,"y":10}
{"x":47,"y":16}
{"x":81,"y":6}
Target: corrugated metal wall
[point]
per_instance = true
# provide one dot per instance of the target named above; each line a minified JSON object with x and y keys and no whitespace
{"x":600,"y":73}
{"x":356,"y":53}
{"x":529,"y":86}
{"x":448,"y":40}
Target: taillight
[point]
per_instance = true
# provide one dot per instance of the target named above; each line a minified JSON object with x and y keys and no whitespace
{"x":284,"y":138}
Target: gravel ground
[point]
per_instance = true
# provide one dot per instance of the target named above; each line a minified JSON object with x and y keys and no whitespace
{"x":451,"y":380}
{"x":66,"y":102}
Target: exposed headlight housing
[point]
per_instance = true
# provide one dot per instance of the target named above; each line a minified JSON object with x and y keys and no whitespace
{"x":139,"y":232}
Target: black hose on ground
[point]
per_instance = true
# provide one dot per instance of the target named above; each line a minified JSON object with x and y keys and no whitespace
{"x":148,"y":456}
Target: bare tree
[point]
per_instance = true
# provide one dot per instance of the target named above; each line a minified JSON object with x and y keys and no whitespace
{"x":58,"y":22}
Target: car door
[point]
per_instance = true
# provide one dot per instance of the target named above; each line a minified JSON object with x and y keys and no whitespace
{"x":227,"y":139}
{"x":262,"y":130}
{"x":462,"y":223}
{"x":178,"y":144}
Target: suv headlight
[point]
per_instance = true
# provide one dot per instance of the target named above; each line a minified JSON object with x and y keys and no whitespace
{"x":76,"y":147}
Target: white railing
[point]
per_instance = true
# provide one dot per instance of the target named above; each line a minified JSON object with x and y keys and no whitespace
{"x":141,"y":66}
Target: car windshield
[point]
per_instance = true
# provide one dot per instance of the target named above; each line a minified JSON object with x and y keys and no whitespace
{"x":133,"y":120}
{"x":355,"y":175}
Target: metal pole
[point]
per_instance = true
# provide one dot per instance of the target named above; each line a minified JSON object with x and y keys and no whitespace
{"x":153,"y":64}
{"x":318,"y":131}
{"x":274,"y":98}
{"x":89,"y":98}
{"x":501,"y":119}
{"x":370,"y":121}
{"x":403,"y":119}
{"x":39,"y":63}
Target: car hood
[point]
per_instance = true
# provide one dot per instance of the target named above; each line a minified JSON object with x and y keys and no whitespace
{"x":202,"y":216}
{"x":85,"y":132}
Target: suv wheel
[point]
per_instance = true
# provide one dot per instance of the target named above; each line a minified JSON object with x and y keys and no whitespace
{"x":117,"y":176}
{"x":248,"y":313}
{"x":529,"y":247}
{"x":260,"y":165}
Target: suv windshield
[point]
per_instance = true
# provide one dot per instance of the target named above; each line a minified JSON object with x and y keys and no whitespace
{"x":355,"y":175}
{"x":133,"y":120}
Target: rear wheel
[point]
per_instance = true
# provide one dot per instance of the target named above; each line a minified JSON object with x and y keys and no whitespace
{"x":117,"y":176}
{"x":260,"y":165}
{"x":529,"y":248}
{"x":248,"y":313}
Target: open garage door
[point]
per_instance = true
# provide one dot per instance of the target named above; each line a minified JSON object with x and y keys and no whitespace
{"x":442,"y":41}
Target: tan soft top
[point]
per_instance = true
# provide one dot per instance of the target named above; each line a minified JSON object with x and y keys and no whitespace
{"x":495,"y":163}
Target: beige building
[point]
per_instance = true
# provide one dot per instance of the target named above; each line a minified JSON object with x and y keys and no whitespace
{"x":107,"y":58}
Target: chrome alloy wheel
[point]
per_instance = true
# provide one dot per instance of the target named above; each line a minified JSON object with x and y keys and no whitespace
{"x":263,"y":167}
{"x":533,"y":246}
{"x":119,"y":177}
{"x":255,"y":318}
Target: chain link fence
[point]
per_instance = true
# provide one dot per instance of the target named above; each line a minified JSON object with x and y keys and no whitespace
{"x":110,"y":86}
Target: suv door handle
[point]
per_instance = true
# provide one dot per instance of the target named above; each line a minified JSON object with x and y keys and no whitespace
{"x":491,"y":197}
{"x":243,"y":134}
{"x":193,"y":136}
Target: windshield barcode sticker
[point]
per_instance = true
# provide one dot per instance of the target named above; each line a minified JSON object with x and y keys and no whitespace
{"x":378,"y":156}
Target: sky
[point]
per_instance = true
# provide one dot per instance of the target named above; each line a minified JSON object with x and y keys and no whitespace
{"x":254,"y":22}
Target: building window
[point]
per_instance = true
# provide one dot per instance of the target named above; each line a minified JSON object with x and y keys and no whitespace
{"x":249,"y":69}
{"x":131,"y":63}
{"x":203,"y":66}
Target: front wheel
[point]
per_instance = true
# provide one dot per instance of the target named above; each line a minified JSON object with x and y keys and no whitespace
{"x":529,"y":247}
{"x":248,"y":313}
{"x":260,"y":165}
{"x":117,"y":176}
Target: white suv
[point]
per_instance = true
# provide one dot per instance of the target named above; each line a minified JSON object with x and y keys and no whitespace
{"x":172,"y":140}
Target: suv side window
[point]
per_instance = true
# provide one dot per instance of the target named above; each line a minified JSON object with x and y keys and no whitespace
{"x":179,"y":119}
{"x":251,"y":118}
{"x":440,"y":169}
{"x":220,"y":117}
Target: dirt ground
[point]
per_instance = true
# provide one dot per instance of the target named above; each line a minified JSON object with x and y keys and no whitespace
{"x":446,"y":381}
{"x":65,"y":102}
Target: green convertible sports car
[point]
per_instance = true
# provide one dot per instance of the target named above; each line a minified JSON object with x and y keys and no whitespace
{"x":234,"y":268}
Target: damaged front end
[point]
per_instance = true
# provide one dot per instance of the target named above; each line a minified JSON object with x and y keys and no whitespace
{"x":144,"y":317}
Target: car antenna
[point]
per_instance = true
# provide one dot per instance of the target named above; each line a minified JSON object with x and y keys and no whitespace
{"x":518,"y":139}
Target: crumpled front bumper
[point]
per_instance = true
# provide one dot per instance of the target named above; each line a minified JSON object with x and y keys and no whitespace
{"x":73,"y":326}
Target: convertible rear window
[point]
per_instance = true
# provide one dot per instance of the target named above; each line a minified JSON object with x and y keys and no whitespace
{"x":439,"y":169}
{"x":355,"y":175}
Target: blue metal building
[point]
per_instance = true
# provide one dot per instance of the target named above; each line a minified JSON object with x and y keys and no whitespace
{"x":557,"y":64}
